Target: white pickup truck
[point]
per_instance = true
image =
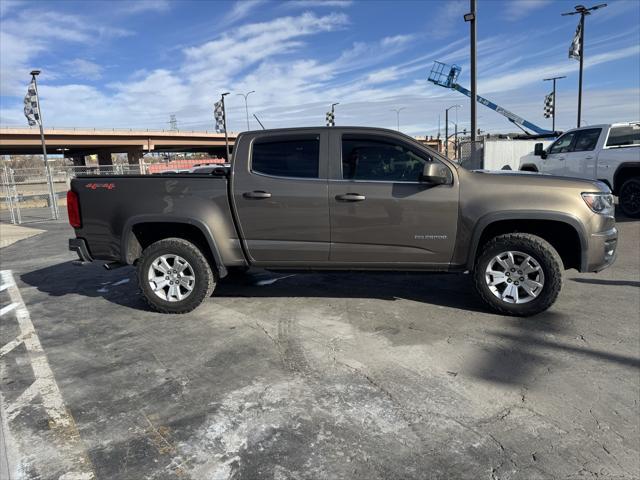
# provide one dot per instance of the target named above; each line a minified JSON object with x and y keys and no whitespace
{"x":609,"y":152}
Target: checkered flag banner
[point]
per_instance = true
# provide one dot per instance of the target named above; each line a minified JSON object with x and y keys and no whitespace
{"x":331,"y":119}
{"x":549,"y":105}
{"x":218,"y":114}
{"x":31,"y":105}
{"x":574,"y":49}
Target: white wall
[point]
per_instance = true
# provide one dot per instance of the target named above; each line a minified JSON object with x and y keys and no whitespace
{"x":498,"y":153}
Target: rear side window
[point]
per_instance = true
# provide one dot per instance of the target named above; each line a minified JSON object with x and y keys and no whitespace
{"x":586,"y":140}
{"x":621,"y":136}
{"x":297,"y":158}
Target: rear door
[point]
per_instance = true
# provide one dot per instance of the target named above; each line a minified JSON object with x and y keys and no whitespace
{"x":581,"y":160}
{"x":279,"y":189}
{"x":381,"y":213}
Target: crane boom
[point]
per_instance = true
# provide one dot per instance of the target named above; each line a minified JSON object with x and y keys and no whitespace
{"x":446,"y":77}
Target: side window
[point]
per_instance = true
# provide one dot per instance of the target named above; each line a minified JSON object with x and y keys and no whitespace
{"x":369,"y":159}
{"x":624,"y":135}
{"x":563,"y":144}
{"x":298,"y":158}
{"x":586,"y":140}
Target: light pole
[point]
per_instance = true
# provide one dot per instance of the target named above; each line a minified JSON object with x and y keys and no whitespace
{"x":246,"y":107}
{"x":446,"y":128}
{"x":398,"y":110}
{"x":224,"y":118}
{"x":471,"y":17}
{"x":553,"y":112}
{"x":582,"y":11}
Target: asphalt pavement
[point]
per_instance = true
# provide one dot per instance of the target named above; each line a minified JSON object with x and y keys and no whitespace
{"x":313,"y":376}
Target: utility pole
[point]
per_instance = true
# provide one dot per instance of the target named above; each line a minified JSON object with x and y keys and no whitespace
{"x":553,"y":112}
{"x":446,"y":128}
{"x":224,"y":118}
{"x":246,"y":107}
{"x":471,"y":17}
{"x":52,"y":193}
{"x":582,"y":11}
{"x":398,"y":110}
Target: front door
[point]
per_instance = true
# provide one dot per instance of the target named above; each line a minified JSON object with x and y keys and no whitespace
{"x":280,"y":198}
{"x":581,"y":160}
{"x":555,"y":163}
{"x":382,"y":214}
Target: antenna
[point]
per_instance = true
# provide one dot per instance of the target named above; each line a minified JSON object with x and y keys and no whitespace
{"x":258,"y":120}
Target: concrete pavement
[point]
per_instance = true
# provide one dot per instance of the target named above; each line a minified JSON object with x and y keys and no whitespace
{"x":353,"y":376}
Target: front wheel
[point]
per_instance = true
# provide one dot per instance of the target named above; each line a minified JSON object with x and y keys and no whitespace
{"x":174,"y":276}
{"x":518,"y":274}
{"x":629,"y":198}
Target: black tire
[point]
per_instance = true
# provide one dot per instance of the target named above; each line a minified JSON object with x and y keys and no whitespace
{"x":541,"y":251}
{"x":205,"y":278}
{"x":629,"y":198}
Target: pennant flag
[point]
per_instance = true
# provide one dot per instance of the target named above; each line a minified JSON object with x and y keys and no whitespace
{"x":218,"y":113}
{"x":549,"y":105}
{"x":31,"y":105}
{"x":574,"y":49}
{"x":331,"y":119}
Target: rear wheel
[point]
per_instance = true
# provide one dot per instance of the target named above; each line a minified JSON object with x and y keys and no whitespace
{"x":518,"y":274}
{"x":175,"y":276}
{"x":629,"y":198}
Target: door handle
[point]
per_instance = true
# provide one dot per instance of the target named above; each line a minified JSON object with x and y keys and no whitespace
{"x":350,"y":197}
{"x":257,"y":194}
{"x":560,"y":158}
{"x":589,"y":157}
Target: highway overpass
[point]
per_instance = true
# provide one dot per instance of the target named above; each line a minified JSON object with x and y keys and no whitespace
{"x":76,"y":143}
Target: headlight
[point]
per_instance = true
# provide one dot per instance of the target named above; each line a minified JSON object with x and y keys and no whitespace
{"x":601,"y":203}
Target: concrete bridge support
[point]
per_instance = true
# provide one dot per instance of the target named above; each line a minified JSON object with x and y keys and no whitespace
{"x":104,"y":158}
{"x":134,"y":156}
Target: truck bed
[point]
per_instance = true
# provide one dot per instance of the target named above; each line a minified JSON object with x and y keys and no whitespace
{"x":111,"y":207}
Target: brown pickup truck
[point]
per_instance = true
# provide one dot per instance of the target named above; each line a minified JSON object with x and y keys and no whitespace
{"x":345,"y":198}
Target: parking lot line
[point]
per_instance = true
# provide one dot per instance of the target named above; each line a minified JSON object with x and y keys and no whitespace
{"x":44,"y":384}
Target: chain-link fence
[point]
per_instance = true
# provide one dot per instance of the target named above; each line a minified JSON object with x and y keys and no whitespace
{"x":471,"y":154}
{"x":30,"y":194}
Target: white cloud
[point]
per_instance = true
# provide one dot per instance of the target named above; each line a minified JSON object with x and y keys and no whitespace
{"x":240,"y":10}
{"x":318,"y":3}
{"x":141,"y":6}
{"x":516,"y":10}
{"x":81,"y":68}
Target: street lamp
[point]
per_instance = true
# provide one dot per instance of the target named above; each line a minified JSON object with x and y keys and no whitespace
{"x":224,"y":118}
{"x":398,"y":110}
{"x":446,"y":128}
{"x":553,"y":111}
{"x":246,"y":108}
{"x":582,"y":11}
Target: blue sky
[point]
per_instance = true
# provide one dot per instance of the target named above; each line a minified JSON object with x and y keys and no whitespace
{"x":131,"y":64}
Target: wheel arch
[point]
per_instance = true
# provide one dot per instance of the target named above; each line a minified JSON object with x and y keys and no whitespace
{"x":624,"y":172}
{"x":529,"y":167}
{"x":159,"y":227}
{"x":548,"y":225}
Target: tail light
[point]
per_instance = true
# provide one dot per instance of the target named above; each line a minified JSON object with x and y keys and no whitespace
{"x":73,"y":209}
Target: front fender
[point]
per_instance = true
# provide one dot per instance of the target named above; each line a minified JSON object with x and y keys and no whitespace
{"x":490,"y":218}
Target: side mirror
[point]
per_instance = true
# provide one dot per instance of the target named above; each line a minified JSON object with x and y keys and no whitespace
{"x":539,"y":151}
{"x":435,"y":173}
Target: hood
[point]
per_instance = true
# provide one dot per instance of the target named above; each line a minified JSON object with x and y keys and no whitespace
{"x":536,"y":180}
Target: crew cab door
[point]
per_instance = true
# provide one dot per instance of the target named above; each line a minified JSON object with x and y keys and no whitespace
{"x":581,"y":160}
{"x":555,"y":163}
{"x":382,"y":214}
{"x":279,"y":190}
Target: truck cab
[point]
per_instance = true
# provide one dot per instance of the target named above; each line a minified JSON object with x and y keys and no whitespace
{"x":607,"y":152}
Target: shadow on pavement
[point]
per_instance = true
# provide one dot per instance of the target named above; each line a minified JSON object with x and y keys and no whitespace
{"x":455,"y":291}
{"x":598,"y":281}
{"x":118,"y":286}
{"x":516,"y":357}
